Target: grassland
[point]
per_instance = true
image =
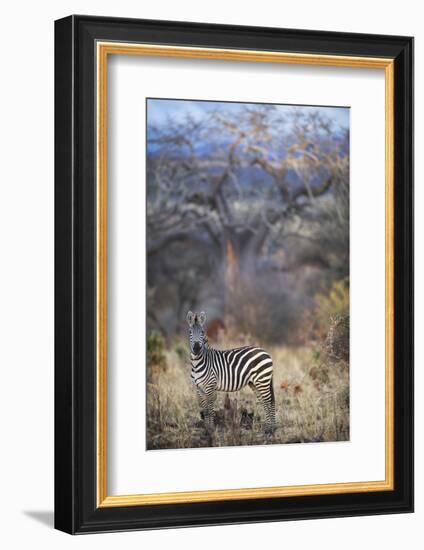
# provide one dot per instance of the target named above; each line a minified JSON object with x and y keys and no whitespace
{"x":311,"y":393}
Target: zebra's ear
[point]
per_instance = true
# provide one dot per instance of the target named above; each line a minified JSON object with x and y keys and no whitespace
{"x":190,"y":318}
{"x":202,"y":318}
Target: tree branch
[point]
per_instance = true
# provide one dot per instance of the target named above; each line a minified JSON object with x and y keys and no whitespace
{"x":308,"y":191}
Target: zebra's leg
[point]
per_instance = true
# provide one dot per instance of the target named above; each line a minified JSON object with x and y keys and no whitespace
{"x":203,"y":403}
{"x":256,"y":392}
{"x":211,"y":398}
{"x":265,"y":393}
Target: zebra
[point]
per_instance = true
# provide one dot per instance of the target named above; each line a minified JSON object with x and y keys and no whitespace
{"x":230,"y":370}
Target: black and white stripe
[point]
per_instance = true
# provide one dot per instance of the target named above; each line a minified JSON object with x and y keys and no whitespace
{"x":230,"y":370}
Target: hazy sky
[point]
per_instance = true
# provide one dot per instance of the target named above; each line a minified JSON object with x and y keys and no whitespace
{"x":160,"y":109}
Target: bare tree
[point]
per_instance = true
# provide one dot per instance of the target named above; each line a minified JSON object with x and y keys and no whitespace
{"x":246,"y":185}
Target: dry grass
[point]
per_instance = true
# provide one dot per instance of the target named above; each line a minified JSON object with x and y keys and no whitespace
{"x":311,"y":393}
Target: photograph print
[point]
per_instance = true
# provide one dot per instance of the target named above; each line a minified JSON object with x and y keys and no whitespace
{"x":247,"y":321}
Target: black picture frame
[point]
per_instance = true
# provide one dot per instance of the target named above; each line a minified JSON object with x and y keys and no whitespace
{"x":76,"y":510}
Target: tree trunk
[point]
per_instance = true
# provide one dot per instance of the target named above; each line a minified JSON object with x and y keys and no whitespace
{"x":231,"y":270}
{"x":239,"y":268}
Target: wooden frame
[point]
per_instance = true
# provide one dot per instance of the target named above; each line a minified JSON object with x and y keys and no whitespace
{"x":83,"y":45}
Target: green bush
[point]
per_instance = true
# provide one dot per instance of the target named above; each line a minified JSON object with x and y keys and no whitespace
{"x":155,"y":350}
{"x":181,"y":350}
{"x":333,"y":303}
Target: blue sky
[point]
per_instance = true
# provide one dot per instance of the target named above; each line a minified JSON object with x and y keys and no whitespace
{"x":160,"y":109}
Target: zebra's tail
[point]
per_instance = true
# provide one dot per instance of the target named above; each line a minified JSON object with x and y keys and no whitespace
{"x":271,"y":425}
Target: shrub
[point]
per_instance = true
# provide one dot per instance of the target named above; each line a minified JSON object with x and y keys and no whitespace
{"x":333,"y":303}
{"x":181,"y":350}
{"x":155,"y":350}
{"x":330,"y":308}
{"x":337,"y":341}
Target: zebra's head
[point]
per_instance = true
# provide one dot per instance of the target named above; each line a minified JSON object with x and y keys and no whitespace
{"x":196,"y":333}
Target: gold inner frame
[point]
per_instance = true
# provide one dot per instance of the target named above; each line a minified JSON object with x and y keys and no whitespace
{"x":103,"y":50}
